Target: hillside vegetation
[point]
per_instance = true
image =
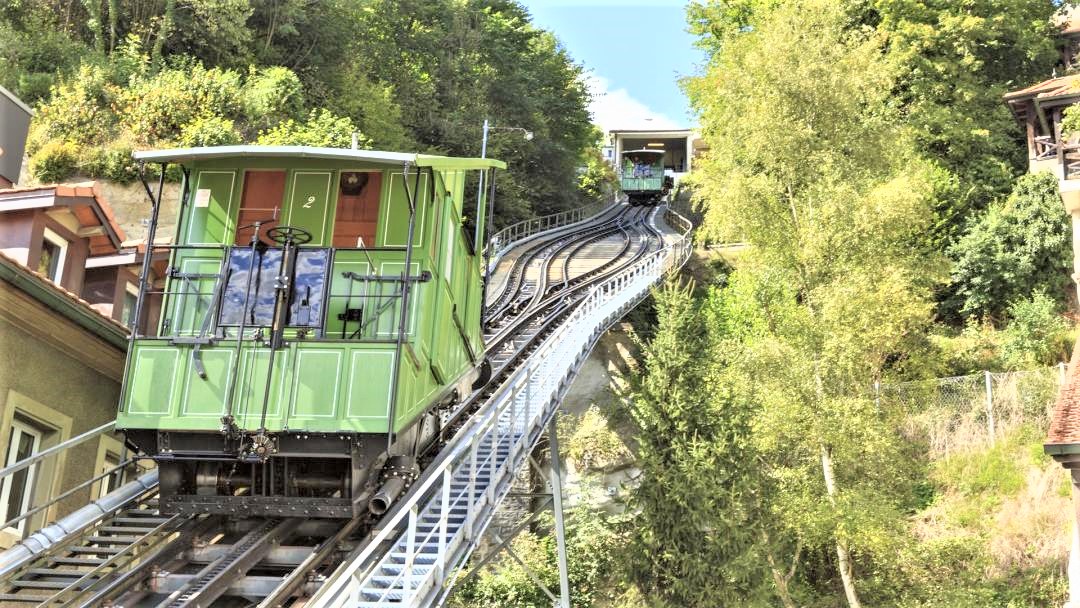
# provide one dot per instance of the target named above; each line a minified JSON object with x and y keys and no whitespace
{"x":110,"y":76}
{"x":795,"y":447}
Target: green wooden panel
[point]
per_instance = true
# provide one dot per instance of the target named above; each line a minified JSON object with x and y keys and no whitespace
{"x":367,"y":393}
{"x":207,"y":397}
{"x":309,"y":205}
{"x":316,"y":383}
{"x":251,"y":386}
{"x":151,"y":382}
{"x":210,"y":213}
{"x":394,"y":215}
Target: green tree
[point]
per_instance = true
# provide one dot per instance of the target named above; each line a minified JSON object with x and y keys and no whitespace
{"x":954,"y":61}
{"x":1037,"y":334}
{"x":1019,"y":246}
{"x":699,"y":523}
{"x":809,"y":167}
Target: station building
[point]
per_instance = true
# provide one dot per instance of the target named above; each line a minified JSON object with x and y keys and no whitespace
{"x":680,"y":146}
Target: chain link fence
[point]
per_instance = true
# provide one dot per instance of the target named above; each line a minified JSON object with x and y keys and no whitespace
{"x":966,"y":412}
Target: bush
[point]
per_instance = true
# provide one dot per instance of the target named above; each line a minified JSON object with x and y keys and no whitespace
{"x":31,"y":62}
{"x":157,"y":108}
{"x":322,"y":129}
{"x":591,"y":444}
{"x":1036,"y":333}
{"x":78,"y":112}
{"x":209,"y":131}
{"x":112,"y":162}
{"x":55,"y":161}
{"x":995,"y":472}
{"x":1016,"y":248}
{"x":272,"y":95}
{"x":594,"y":542}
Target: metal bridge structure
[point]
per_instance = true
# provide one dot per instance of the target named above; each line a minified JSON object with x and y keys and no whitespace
{"x":557,"y":291}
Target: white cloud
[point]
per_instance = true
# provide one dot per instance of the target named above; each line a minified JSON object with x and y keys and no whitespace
{"x":617,"y":109}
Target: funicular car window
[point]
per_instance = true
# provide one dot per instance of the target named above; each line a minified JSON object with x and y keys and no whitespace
{"x":305,"y":306}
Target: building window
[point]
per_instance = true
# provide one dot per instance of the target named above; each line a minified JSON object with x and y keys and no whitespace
{"x":15,"y":494}
{"x":127,"y":310}
{"x":109,"y":482}
{"x":53,"y":252}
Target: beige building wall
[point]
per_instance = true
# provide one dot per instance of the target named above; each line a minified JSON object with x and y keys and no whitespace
{"x":44,"y":387}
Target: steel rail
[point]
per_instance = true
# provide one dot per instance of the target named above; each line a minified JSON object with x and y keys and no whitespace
{"x":475,"y":466}
{"x":512,"y":284}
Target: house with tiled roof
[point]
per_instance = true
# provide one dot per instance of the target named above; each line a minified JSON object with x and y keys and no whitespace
{"x":1041,"y":109}
{"x":67,"y":285}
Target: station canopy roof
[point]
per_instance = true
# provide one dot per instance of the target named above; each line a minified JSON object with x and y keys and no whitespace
{"x":181,"y":155}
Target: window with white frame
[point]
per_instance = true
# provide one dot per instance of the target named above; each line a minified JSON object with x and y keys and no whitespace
{"x":109,"y":482}
{"x":15,"y":493}
{"x":53,"y":253}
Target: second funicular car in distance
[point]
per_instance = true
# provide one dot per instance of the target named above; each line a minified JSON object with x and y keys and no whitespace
{"x":642,"y":176}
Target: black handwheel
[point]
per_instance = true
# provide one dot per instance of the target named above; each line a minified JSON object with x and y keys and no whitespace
{"x":288,"y":234}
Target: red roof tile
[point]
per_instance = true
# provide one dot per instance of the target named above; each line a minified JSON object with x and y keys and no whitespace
{"x":1055,"y":87}
{"x":83,"y":190}
{"x":1065,"y":421}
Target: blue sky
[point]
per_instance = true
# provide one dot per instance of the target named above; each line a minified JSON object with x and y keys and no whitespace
{"x":635,"y":51}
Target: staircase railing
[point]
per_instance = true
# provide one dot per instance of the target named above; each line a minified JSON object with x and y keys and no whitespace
{"x":505,"y":239}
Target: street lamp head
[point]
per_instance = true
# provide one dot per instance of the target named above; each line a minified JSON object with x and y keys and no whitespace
{"x":528,"y":135}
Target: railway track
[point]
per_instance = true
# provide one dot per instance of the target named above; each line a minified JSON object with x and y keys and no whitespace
{"x":136,"y":556}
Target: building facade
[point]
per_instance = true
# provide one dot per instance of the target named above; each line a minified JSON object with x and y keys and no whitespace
{"x":65,"y":281}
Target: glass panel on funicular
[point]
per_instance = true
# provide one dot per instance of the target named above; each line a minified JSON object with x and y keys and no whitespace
{"x":255,"y":307}
{"x":305,"y":309}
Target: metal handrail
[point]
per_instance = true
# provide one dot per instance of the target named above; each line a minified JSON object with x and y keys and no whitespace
{"x":69,"y":492}
{"x":505,"y":239}
{"x":34,"y":459}
{"x":518,"y":408}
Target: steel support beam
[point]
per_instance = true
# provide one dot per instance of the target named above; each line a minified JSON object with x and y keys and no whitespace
{"x":557,"y":507}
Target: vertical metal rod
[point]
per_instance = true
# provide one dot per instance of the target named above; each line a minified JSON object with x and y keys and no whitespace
{"x":230,"y":392}
{"x":560,"y":525}
{"x":990,"y":406}
{"x":471,"y":488}
{"x":444,"y":512}
{"x":410,"y":552}
{"x":151,"y":232}
{"x":489,"y":226}
{"x":35,"y":474}
{"x":410,"y":197}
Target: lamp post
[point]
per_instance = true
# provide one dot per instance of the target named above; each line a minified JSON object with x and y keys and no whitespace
{"x":528,"y":135}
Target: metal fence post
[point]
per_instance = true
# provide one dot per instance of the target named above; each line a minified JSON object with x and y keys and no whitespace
{"x":990,"y":405}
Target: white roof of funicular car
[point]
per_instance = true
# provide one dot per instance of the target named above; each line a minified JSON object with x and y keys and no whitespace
{"x":180,"y":155}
